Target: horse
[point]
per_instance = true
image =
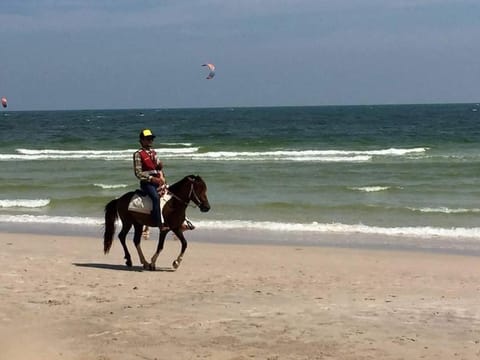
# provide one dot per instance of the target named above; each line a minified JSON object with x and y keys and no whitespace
{"x":190,"y":188}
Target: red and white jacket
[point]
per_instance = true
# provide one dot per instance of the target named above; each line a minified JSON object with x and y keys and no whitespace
{"x":146,"y":164}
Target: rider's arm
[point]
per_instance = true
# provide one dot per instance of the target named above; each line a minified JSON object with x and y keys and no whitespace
{"x":159,"y":163}
{"x":162,"y":177}
{"x":159,"y":172}
{"x":137,"y":168}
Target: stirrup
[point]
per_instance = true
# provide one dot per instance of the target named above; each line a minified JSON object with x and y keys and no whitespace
{"x":145,"y":232}
{"x":189,"y":225}
{"x":163,"y":227}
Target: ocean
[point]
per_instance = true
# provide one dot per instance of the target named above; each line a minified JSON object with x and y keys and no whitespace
{"x":387,"y":171}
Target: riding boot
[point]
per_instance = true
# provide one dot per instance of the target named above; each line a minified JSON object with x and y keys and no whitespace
{"x":162,"y":225}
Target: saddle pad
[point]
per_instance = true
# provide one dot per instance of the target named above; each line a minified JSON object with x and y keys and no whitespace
{"x":140,"y":204}
{"x":143,"y":204}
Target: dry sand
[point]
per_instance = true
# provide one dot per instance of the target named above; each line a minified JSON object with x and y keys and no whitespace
{"x":61,"y":298}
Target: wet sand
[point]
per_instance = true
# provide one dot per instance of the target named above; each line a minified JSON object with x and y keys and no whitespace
{"x":62,"y":298}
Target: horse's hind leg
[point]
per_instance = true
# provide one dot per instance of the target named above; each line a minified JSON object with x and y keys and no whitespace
{"x":137,"y":237}
{"x":122,"y":235}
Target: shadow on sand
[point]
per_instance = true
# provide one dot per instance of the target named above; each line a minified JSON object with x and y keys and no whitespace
{"x":121,"y":267}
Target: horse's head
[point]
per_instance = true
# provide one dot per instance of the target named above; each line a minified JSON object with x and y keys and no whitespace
{"x":198,"y":193}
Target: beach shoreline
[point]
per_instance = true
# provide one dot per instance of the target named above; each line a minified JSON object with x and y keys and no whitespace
{"x":62,"y":298}
{"x":429,"y":244}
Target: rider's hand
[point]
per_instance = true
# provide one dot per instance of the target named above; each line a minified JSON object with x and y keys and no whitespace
{"x":156,"y":180}
{"x":162,"y":189}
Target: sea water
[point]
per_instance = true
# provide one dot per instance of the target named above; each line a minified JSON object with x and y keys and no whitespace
{"x":396,"y":170}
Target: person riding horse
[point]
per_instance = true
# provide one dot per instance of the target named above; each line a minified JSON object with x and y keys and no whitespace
{"x":191,"y":188}
{"x":149,"y":170}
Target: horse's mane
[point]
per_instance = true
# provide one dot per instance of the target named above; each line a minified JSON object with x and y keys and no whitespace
{"x":178,"y":184}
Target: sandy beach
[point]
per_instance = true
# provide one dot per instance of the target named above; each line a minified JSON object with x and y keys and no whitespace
{"x":62,"y":298}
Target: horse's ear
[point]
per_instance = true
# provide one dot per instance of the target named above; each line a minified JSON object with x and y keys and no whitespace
{"x":193,"y":178}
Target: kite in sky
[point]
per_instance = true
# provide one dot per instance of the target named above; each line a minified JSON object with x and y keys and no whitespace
{"x":211,"y":74}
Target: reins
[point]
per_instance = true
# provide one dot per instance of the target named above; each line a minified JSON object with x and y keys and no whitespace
{"x":187,"y":203}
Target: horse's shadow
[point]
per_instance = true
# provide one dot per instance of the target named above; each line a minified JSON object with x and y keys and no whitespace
{"x":121,"y":267}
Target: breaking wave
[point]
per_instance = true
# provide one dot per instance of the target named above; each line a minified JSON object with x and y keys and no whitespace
{"x":190,"y":152}
{"x":333,"y":228}
{"x":24,"y":203}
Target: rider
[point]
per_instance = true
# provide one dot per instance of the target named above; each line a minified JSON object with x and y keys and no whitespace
{"x":148,"y":169}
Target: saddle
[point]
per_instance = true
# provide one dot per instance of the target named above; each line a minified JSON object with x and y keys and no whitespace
{"x":141,"y":202}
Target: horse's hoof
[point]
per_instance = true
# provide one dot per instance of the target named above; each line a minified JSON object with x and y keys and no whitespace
{"x":176,"y":264}
{"x":152,"y":267}
{"x":129,"y":263}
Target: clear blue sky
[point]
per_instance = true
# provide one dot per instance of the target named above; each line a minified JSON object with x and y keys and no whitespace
{"x":90,"y":54}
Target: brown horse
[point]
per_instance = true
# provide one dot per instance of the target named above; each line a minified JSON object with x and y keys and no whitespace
{"x":189,"y":188}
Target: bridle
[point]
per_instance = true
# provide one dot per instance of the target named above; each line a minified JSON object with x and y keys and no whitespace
{"x":192,"y":191}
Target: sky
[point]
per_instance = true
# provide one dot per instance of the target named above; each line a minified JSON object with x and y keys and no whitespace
{"x":114,"y":54}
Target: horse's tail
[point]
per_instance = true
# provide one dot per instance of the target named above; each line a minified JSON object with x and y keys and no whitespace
{"x":111,"y":215}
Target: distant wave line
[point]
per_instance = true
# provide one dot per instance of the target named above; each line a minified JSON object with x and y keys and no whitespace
{"x":205,"y":156}
{"x":300,"y":155}
{"x":46,"y":219}
{"x":177,"y":144}
{"x":193,"y":153}
{"x":114,"y":186}
{"x":303,"y":155}
{"x":128,"y":152}
{"x":445,"y":210}
{"x":314,"y":153}
{"x":24,"y":203}
{"x":370,"y":188}
{"x":50,"y":154}
{"x":263,"y":157}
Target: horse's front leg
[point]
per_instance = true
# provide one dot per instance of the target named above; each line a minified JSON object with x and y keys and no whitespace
{"x":137,"y":237}
{"x":179,"y":233}
{"x":161,"y":242}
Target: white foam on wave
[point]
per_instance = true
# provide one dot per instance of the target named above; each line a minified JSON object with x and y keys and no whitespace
{"x":397,"y":152}
{"x":107,"y":186}
{"x":177,"y":144}
{"x":333,"y":228}
{"x":307,"y":155}
{"x":445,"y":210}
{"x":45,"y":219}
{"x":52,"y":154}
{"x":71,"y":152}
{"x":128,"y":152}
{"x":192,"y":153}
{"x":370,"y":188}
{"x":304,"y":155}
{"x":222,"y":156}
{"x":338,"y":228}
{"x":24,"y":203}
